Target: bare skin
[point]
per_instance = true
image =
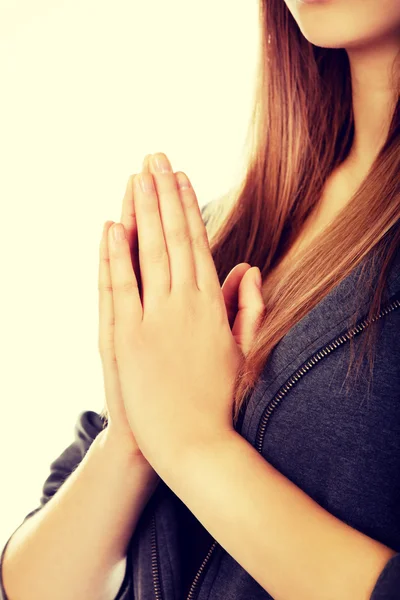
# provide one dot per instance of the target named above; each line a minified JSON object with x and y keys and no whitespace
{"x":336,"y":194}
{"x":369,"y":30}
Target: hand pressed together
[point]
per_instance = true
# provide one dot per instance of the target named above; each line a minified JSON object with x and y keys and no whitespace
{"x":176,"y":354}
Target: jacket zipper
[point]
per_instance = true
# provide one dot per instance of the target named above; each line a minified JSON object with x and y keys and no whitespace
{"x":315,"y":359}
{"x":340,"y":340}
{"x":154,"y":560}
{"x":155,"y":567}
{"x":200,"y":571}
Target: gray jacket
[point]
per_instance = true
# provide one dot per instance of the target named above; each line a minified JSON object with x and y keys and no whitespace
{"x":342,"y":450}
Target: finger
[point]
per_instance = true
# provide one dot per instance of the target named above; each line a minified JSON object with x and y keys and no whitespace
{"x":206,"y":274}
{"x":106,"y":308}
{"x":153,"y":255}
{"x":128,"y":220}
{"x":251,"y":310}
{"x":146,"y":165}
{"x":106,"y":331}
{"x":175,"y":227}
{"x":230,"y":290}
{"x":126,"y":298}
{"x":128,"y":217}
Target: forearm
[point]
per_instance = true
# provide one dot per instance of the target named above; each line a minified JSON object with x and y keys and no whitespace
{"x":76,"y":544}
{"x":287,"y":542}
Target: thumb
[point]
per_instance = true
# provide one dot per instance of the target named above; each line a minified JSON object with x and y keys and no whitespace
{"x":250,"y":308}
{"x":250,"y":295}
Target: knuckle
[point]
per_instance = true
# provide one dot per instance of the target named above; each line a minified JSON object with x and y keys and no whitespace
{"x":104,"y":262}
{"x":200,"y":241}
{"x":156,"y":254}
{"x":107,"y":355}
{"x":179,"y":236}
{"x":107,"y":324}
{"x":126,"y":287}
{"x":104,"y":287}
{"x":105,"y":338}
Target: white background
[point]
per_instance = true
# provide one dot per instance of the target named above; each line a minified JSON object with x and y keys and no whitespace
{"x":87,"y":89}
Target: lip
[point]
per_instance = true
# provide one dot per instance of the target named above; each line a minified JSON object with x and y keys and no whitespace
{"x":312,"y":1}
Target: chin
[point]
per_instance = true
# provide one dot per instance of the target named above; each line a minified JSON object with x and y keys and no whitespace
{"x":347,"y":23}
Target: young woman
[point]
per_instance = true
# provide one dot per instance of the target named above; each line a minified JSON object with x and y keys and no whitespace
{"x":243,"y":453}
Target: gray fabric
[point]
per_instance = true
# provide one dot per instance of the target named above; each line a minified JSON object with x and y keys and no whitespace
{"x":330,"y":437}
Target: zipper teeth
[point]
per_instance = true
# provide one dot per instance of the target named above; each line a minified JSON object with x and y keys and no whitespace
{"x":155,"y":566}
{"x":154,"y":561}
{"x":318,"y":356}
{"x":199,"y":572}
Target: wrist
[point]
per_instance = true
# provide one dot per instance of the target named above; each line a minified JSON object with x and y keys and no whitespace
{"x":123,"y":449}
{"x":121,"y":457}
{"x":181,"y":458}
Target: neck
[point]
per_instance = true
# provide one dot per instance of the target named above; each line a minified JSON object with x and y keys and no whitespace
{"x":375,"y":93}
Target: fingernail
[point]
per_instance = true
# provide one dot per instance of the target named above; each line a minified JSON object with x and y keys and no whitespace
{"x":118,"y":232}
{"x":146,"y":161}
{"x":105,"y":226}
{"x":161,"y":163}
{"x":183,"y":181}
{"x":146,"y":182}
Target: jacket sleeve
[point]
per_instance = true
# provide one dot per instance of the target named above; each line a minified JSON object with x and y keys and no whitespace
{"x":89,"y":424}
{"x":387,"y":586}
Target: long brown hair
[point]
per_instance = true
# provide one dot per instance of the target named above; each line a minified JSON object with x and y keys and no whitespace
{"x":302,"y":128}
